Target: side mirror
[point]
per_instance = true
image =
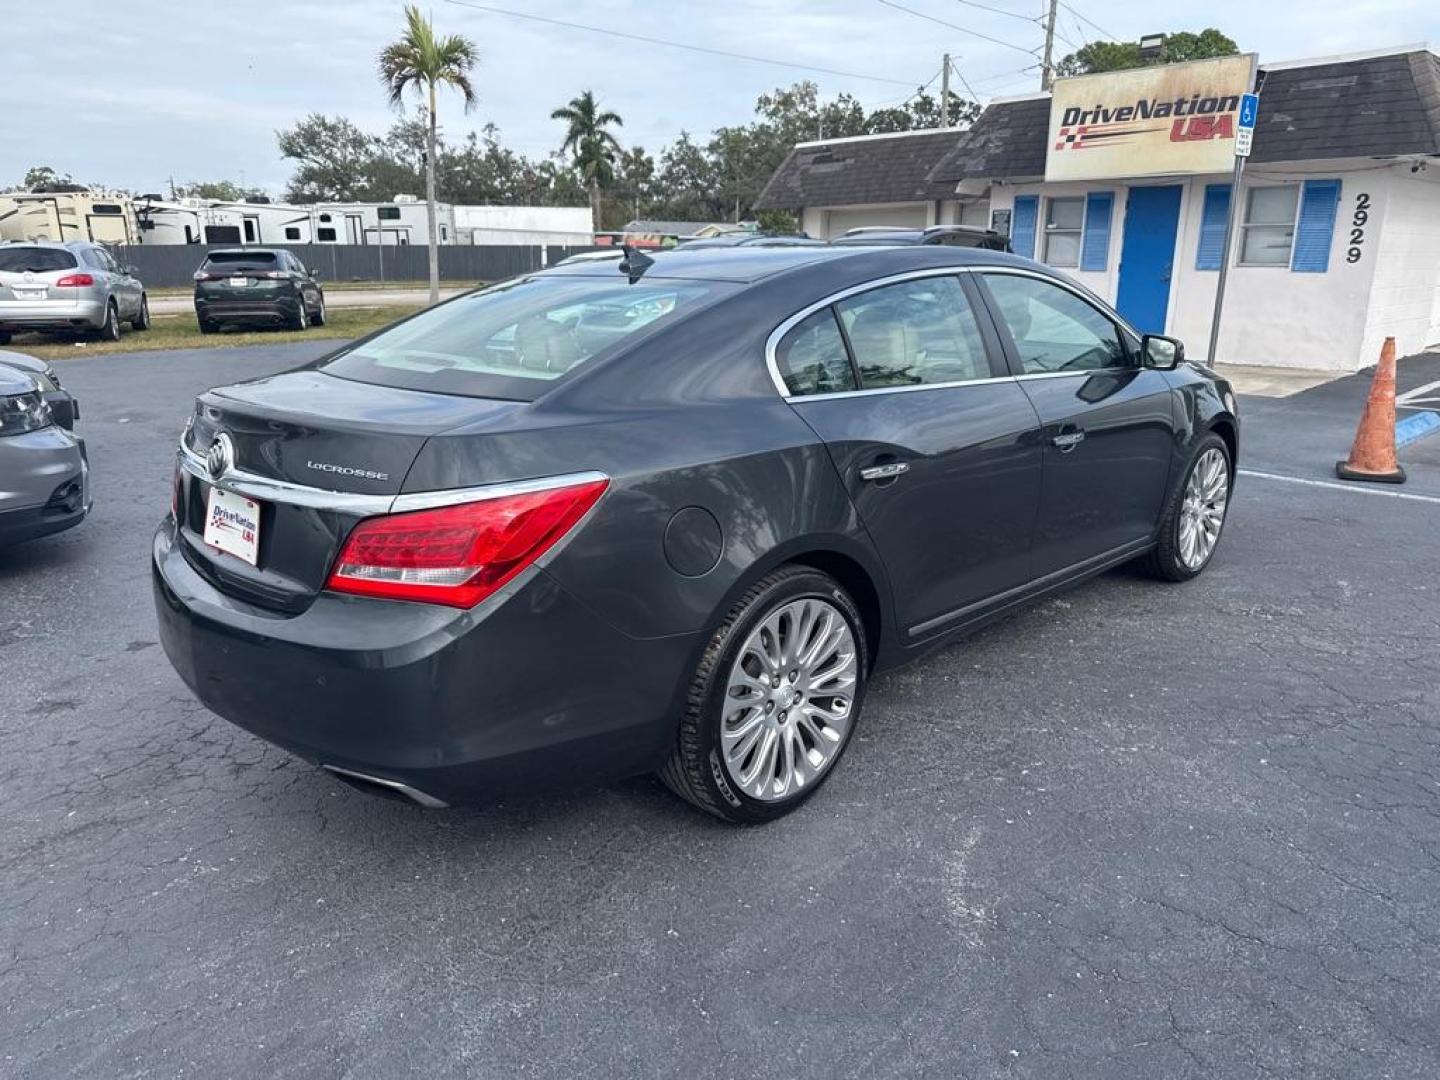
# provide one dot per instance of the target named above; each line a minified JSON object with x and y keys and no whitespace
{"x":1161,"y":352}
{"x":133,"y":271}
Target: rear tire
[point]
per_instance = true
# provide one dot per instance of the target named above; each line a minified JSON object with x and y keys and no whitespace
{"x":110,"y":328}
{"x":208,"y":327}
{"x":708,"y":763}
{"x":318,"y":319}
{"x":301,"y":319}
{"x":4,"y":337}
{"x":1173,"y":558}
{"x":142,"y":320}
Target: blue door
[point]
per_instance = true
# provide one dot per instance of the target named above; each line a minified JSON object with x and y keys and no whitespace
{"x":1147,"y":256}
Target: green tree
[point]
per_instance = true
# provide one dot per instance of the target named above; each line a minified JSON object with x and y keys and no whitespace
{"x":424,"y":61}
{"x":224,"y":190}
{"x":335,"y":159}
{"x":593,"y":147}
{"x":1101,"y":56}
{"x":635,"y":181}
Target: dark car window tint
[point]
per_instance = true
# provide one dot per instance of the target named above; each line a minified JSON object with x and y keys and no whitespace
{"x":16,"y":260}
{"x":812,"y":357}
{"x":1055,"y":330}
{"x":240,"y":260}
{"x":509,"y":340}
{"x":916,"y":332}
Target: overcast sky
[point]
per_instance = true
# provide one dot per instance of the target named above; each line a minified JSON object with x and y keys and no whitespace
{"x":133,"y":92}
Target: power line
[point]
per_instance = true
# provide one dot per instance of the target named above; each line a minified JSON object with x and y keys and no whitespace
{"x":950,"y":25}
{"x":677,"y":44}
{"x":965,"y":82}
{"x":1089,"y":20}
{"x":998,"y":11}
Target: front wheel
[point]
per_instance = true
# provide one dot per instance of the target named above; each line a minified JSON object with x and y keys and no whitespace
{"x":1195,"y":515}
{"x":774,"y":700}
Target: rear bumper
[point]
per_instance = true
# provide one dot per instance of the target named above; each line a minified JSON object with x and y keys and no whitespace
{"x":46,"y":484}
{"x":530,"y":690}
{"x":51,"y":314}
{"x":270,"y":310}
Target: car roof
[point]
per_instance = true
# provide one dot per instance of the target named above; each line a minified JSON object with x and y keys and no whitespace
{"x":244,"y":251}
{"x":743,"y":265}
{"x":58,"y":245}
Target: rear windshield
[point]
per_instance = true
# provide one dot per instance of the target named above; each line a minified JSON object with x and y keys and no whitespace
{"x":511,"y":340}
{"x":17,"y":260}
{"x":235,"y":260}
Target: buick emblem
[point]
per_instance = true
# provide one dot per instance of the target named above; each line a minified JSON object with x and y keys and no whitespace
{"x":220,"y":458}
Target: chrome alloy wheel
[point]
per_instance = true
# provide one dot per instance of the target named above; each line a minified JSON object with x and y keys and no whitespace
{"x":1203,"y":512}
{"x":789,"y":699}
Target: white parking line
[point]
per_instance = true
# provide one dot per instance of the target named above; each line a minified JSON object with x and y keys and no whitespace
{"x":1415,"y":399}
{"x":1354,"y":489}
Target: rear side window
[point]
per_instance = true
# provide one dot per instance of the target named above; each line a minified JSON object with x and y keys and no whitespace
{"x":915,"y":332}
{"x":509,"y":341}
{"x":239,"y":260}
{"x":16,"y":260}
{"x":812,"y":359}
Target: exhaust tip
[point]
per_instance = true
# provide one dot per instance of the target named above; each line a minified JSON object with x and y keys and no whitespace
{"x":388,"y":789}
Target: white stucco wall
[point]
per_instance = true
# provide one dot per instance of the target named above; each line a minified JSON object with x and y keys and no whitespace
{"x":1278,"y":317}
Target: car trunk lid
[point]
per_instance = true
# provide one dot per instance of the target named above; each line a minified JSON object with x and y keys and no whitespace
{"x":28,"y":273}
{"x":317,"y":454}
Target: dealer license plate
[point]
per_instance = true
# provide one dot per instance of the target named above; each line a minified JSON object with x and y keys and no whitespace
{"x":232,"y":524}
{"x":29,"y":294}
{"x":239,"y":282}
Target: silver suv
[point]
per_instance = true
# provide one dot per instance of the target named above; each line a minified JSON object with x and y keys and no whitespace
{"x":72,"y":287}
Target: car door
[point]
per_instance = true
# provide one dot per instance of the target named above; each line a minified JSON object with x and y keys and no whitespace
{"x":937,"y":445}
{"x":123,"y":287}
{"x":1107,"y":420}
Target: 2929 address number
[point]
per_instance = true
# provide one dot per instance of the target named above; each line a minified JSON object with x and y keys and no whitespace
{"x":1358,"y":221}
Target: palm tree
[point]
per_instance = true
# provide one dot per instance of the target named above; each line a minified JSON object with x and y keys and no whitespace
{"x":594,"y":147}
{"x":424,"y":61}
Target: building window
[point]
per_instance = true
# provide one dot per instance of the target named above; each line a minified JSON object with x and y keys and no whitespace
{"x":1268,"y":231}
{"x":325,"y":236}
{"x":324,"y":217}
{"x":388,"y":213}
{"x":1064,"y":223}
{"x":292,"y":232}
{"x":443,"y":234}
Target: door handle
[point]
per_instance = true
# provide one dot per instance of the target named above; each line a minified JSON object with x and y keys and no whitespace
{"x":1068,"y":440}
{"x":888,"y":471}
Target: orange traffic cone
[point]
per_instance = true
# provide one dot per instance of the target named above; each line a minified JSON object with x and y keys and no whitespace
{"x":1373,"y":455}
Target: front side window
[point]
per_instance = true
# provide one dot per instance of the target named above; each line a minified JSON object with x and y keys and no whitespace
{"x":510,"y":340}
{"x":1064,"y":224}
{"x":1268,"y":232}
{"x":912,"y":333}
{"x":812,"y":359}
{"x":1055,"y":330}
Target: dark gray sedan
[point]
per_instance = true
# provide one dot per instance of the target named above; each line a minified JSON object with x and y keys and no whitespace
{"x":44,"y":474}
{"x":671,"y":514}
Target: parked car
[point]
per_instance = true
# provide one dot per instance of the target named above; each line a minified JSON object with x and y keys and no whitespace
{"x":72,"y":287}
{"x":946,"y":235}
{"x":749,"y":239}
{"x":504,"y":545}
{"x":63,"y":407}
{"x":257,"y":285}
{"x":44,"y":475}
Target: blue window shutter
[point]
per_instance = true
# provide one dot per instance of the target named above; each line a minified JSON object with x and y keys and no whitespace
{"x":1316,"y":227}
{"x":1095,"y":242}
{"x":1022,"y":224}
{"x":1212,"y":227}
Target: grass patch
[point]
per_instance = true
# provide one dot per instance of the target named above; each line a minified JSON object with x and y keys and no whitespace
{"x":182,"y":332}
{"x":335,"y":286}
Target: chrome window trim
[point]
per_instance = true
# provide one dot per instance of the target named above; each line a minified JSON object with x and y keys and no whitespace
{"x":253,"y":486}
{"x":772,"y":342}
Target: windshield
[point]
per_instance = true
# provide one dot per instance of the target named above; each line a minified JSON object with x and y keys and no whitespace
{"x":232,"y":260}
{"x":509,"y":341}
{"x":16,"y":260}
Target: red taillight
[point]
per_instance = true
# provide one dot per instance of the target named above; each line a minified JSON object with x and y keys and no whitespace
{"x":458,"y":555}
{"x":75,"y":281}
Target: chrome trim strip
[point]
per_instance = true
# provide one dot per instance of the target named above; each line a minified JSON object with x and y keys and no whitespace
{"x":428,"y":500}
{"x":414,"y":794}
{"x":772,"y":342}
{"x":283,"y":491}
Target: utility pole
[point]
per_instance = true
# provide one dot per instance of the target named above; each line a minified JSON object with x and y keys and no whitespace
{"x":945,"y":92}
{"x":1047,"y":67}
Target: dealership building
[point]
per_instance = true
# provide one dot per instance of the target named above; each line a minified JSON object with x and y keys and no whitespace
{"x":1123,"y":180}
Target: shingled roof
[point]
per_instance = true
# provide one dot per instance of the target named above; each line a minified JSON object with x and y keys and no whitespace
{"x":868,"y":169}
{"x":1007,"y":140}
{"x":1379,"y":106}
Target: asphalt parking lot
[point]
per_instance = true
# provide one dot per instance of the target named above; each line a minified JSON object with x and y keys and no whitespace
{"x":1137,"y":831}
